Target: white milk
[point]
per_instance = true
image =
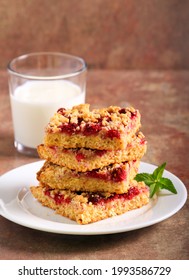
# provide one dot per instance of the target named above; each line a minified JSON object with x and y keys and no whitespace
{"x":35,"y":102}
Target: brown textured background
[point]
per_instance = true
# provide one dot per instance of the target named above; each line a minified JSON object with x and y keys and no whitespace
{"x":123,"y":35}
{"x":117,"y":34}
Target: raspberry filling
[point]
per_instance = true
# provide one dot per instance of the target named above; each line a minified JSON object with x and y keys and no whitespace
{"x":79,"y":156}
{"x":122,"y":111}
{"x":113,"y":133}
{"x":54,"y":149}
{"x":133,"y":115}
{"x":117,"y":175}
{"x":97,"y":198}
{"x":143,"y":141}
{"x":100,"y":153}
{"x":58,"y":198}
{"x":89,"y":129}
{"x":61,"y":111}
{"x":94,"y":198}
{"x":68,"y":128}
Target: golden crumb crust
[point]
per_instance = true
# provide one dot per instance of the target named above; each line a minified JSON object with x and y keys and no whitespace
{"x":108,"y":128}
{"x":80,"y":208}
{"x":82,"y":159}
{"x":113,"y":178}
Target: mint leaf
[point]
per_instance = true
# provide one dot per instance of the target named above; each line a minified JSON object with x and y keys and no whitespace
{"x":155,"y":181}
{"x":168,"y":185}
{"x":158,"y":172}
{"x":153,"y":189}
{"x":145,"y":177}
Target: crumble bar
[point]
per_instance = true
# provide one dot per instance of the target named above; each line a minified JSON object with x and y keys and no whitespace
{"x":86,"y":207}
{"x":82,"y":159}
{"x":112,"y":178}
{"x":102,"y":129}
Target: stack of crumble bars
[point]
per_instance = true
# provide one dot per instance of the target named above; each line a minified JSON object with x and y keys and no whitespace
{"x":92,"y":158}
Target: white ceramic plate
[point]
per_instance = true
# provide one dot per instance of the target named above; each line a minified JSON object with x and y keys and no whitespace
{"x":18,"y":205}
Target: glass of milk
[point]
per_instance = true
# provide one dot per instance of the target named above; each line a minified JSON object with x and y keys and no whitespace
{"x":40,"y":84}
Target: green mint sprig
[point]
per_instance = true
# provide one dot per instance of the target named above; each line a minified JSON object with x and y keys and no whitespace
{"x":155,"y":181}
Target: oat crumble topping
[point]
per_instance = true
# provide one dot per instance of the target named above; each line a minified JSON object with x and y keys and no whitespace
{"x":79,"y":117}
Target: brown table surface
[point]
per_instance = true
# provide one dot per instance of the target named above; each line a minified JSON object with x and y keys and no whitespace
{"x":163,"y":100}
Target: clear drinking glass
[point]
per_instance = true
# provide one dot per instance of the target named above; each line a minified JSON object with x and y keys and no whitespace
{"x":40,"y":84}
